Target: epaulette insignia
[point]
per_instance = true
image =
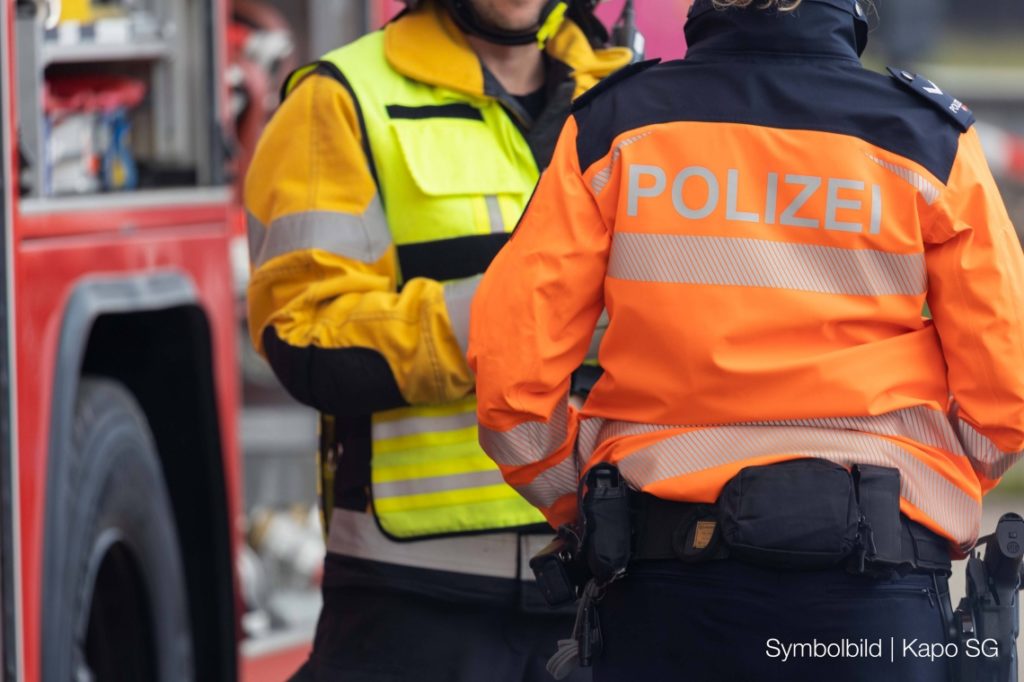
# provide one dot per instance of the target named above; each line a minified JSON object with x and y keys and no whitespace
{"x":617,"y":77}
{"x":956,"y":110}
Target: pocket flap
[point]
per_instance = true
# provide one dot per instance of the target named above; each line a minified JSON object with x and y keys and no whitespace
{"x":457,"y":156}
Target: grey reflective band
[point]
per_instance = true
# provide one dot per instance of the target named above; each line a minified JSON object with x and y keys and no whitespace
{"x":846,"y":441}
{"x":987,"y":459}
{"x":494,"y":214}
{"x":364,"y":237}
{"x":552,"y":484}
{"x":688,"y":453}
{"x":727,"y":261}
{"x":530,"y":442}
{"x":256,"y":232}
{"x":437,"y":484}
{"x":929,"y":191}
{"x":458,"y":298}
{"x":356,"y":534}
{"x":414,"y":426}
{"x":601,"y":178}
{"x":598,"y":337}
{"x":919,"y":424}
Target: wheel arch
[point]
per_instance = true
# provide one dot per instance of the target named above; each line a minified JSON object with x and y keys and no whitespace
{"x":115,"y":327}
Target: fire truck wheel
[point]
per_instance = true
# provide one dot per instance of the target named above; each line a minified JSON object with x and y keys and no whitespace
{"x":128,"y":605}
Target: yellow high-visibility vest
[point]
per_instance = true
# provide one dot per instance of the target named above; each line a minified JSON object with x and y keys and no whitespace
{"x":449,"y":166}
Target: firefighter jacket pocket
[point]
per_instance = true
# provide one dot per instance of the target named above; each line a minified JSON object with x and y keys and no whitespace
{"x":457,"y":177}
{"x":796,"y":515}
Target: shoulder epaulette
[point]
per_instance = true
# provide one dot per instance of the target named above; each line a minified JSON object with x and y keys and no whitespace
{"x":956,"y":110}
{"x":616,"y":77}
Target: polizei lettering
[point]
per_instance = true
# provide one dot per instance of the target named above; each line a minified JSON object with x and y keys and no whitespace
{"x":842,"y":198}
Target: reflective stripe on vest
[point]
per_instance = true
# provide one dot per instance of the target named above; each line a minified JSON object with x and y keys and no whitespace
{"x":493,"y":555}
{"x":430,"y":476}
{"x":454,"y":174}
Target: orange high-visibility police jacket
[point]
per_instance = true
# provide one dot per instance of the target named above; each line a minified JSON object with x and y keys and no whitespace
{"x":764,"y":222}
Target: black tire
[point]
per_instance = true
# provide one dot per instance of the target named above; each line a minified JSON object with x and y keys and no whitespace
{"x":115,"y":601}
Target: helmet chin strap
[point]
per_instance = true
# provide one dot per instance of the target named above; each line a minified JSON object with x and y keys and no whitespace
{"x":550,"y":20}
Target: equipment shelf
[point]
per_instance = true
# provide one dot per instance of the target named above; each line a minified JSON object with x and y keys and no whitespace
{"x":173,"y":135}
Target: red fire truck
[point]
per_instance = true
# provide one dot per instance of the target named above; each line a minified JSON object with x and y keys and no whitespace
{"x":119,"y":464}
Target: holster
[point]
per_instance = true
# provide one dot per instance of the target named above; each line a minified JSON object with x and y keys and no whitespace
{"x":607,"y":523}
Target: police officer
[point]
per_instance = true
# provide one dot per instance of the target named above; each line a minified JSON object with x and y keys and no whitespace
{"x":392,"y":173}
{"x":803,"y":450}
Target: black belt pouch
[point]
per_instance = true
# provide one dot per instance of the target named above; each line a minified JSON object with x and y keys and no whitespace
{"x":801,"y":514}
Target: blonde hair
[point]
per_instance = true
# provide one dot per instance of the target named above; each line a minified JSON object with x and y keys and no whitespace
{"x":781,"y":5}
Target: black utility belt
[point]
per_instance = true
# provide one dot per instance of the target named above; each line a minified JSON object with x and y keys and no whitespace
{"x":798,"y":515}
{"x":805,"y":514}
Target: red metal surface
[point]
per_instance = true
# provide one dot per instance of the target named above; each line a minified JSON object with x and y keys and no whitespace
{"x":273,"y":667}
{"x":11,"y":168}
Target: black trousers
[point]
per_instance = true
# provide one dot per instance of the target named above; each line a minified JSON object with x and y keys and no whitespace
{"x":382,"y":635}
{"x":725,"y":621}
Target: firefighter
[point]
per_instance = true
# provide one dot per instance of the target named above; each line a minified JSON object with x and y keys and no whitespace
{"x":394,"y":170}
{"x":803,"y":450}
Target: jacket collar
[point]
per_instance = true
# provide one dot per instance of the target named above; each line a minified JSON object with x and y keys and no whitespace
{"x":426,"y":45}
{"x":818,"y":29}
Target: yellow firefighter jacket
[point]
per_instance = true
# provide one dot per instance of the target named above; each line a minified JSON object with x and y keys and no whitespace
{"x":393,"y":172}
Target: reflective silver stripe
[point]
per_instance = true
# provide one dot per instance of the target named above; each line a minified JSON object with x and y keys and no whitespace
{"x":416,"y":425}
{"x":986,"y":458}
{"x":257,"y":234}
{"x":929,"y":191}
{"x":494,"y":214}
{"x":551,"y":485}
{"x":458,"y":297}
{"x":355,"y":534}
{"x":437,"y":484}
{"x":363,"y":237}
{"x":593,"y":431}
{"x":756,"y":263}
{"x":919,"y":424}
{"x":688,"y":453}
{"x":602,"y":177}
{"x":529,"y":442}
